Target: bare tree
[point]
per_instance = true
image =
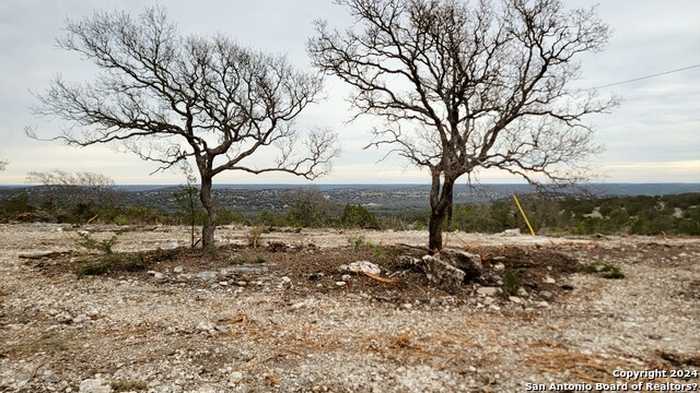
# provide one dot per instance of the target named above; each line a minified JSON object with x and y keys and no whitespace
{"x":469,"y":86}
{"x":3,"y":165}
{"x":170,"y":98}
{"x":74,"y":188}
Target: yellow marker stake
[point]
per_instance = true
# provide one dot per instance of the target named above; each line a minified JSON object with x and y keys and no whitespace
{"x":517,"y":203}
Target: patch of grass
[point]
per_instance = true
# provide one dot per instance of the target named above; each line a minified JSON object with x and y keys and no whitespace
{"x":605,"y":270}
{"x":356,"y":242}
{"x":511,"y":282}
{"x":113,"y":263}
{"x":86,"y":241}
{"x":126,"y":385}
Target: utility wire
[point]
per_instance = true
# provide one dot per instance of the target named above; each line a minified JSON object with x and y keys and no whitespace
{"x":641,"y":78}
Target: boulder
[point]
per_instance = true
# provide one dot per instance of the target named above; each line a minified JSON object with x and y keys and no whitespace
{"x":443,"y":274}
{"x":467,"y":262}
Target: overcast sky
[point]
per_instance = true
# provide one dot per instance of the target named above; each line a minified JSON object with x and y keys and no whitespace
{"x":654,"y":136}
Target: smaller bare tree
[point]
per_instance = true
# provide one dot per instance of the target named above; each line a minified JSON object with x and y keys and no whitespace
{"x":186,"y":198}
{"x":3,"y":165}
{"x":74,"y":188}
{"x":171,"y":98}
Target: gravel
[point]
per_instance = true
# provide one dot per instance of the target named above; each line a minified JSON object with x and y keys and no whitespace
{"x":63,"y":334}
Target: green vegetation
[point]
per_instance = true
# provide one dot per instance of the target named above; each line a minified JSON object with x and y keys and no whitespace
{"x":124,"y":385}
{"x":605,"y":270}
{"x":511,"y":282}
{"x":642,"y":215}
{"x":86,"y":241}
{"x":110,"y":263}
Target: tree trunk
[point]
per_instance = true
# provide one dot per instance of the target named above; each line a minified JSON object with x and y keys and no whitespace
{"x":440,"y":204}
{"x":208,"y":204}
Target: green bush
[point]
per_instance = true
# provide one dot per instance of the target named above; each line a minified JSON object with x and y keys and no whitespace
{"x":356,"y":216}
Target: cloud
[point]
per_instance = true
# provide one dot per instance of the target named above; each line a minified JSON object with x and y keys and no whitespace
{"x":652,"y":136}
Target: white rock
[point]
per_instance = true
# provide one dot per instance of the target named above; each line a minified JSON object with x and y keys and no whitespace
{"x":522,"y":292}
{"x":511,"y":232}
{"x":82,"y":318}
{"x":97,"y":385}
{"x":207,"y":276}
{"x":361,"y":267}
{"x":346,"y":277}
{"x":341,"y":283}
{"x":515,"y":299}
{"x":236,"y":376}
{"x":487,"y":291}
{"x":549,"y":280}
{"x":178,"y":269}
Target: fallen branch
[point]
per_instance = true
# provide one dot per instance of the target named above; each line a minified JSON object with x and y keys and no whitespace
{"x":381,"y":279}
{"x":46,"y":255}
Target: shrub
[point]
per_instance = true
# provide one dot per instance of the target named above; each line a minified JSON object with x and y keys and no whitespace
{"x":356,"y":242}
{"x":254,"y":235}
{"x":511,"y":282}
{"x":86,"y":241}
{"x":355,"y":216}
{"x":310,"y":208}
{"x":605,"y":270}
{"x":109,"y":263}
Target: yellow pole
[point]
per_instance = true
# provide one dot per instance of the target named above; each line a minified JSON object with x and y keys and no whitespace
{"x":517,"y":203}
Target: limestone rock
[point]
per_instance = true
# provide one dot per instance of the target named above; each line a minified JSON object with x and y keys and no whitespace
{"x":97,"y":385}
{"x":443,"y":274}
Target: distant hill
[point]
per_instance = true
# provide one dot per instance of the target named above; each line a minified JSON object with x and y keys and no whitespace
{"x":388,"y":197}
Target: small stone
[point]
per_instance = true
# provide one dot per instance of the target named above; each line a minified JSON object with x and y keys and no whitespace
{"x":159,"y":276}
{"x":340,"y":283}
{"x":97,"y":385}
{"x":488,"y":291}
{"x":178,"y":269}
{"x":64,"y":317}
{"x":522,"y":292}
{"x":546,"y":295}
{"x":82,"y":318}
{"x":241,"y":283}
{"x":515,"y":299}
{"x":499,"y":267}
{"x":207,"y":276}
{"x":346,"y":277}
{"x":297,"y":306}
{"x":549,"y":280}
{"x":206,"y":326}
{"x":407,"y":306}
{"x":236,"y":377}
{"x":286,"y":281}
{"x":542,"y":304}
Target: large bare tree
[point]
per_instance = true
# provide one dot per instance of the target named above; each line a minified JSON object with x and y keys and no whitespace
{"x":170,"y":98}
{"x":468,"y":86}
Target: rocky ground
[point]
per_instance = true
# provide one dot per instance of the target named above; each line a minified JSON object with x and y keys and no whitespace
{"x":285,"y":319}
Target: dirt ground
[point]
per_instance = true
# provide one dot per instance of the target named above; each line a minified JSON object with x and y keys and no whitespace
{"x":273,"y":320}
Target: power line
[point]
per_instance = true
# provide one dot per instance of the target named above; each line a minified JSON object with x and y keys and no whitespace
{"x":641,"y":78}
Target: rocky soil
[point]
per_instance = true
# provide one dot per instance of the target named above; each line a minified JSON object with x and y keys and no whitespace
{"x":286,"y":319}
